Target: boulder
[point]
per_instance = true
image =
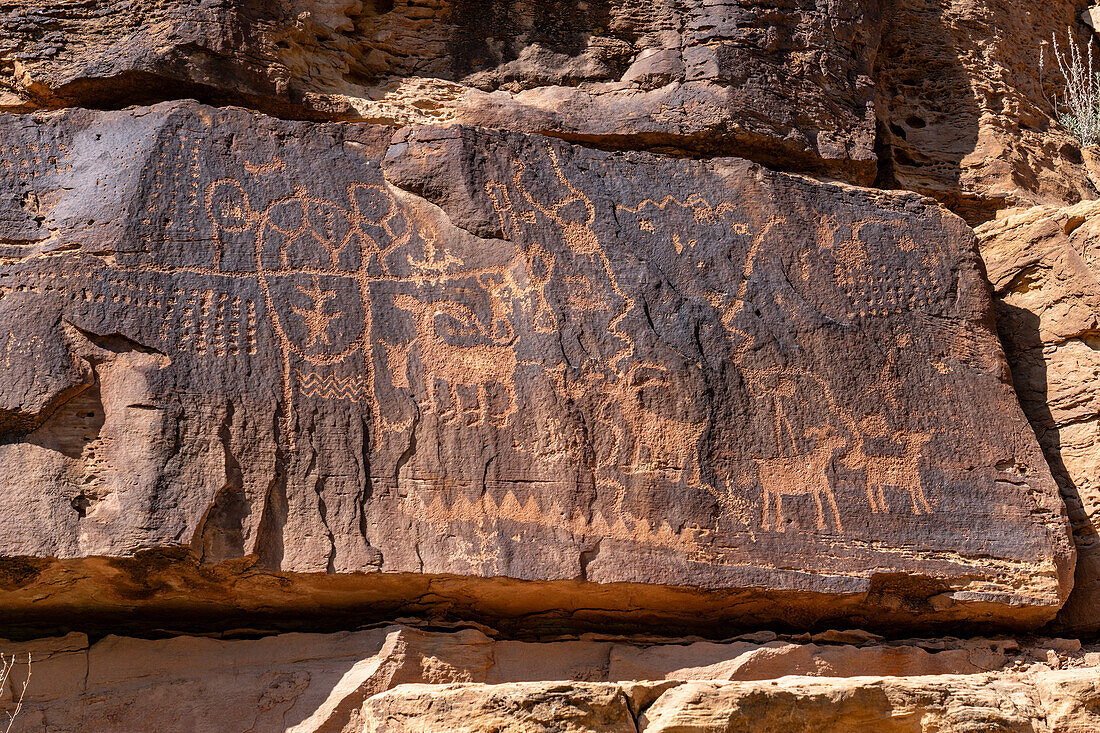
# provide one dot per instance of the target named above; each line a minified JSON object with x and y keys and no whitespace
{"x":286,"y":364}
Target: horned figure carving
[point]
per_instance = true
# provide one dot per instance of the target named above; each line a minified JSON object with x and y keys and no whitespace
{"x":658,"y":440}
{"x":801,"y":475}
{"x":461,"y":365}
{"x":897,"y":471}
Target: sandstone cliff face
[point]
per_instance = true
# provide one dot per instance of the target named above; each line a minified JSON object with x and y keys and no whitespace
{"x":963,"y":104}
{"x":788,"y":81}
{"x":1042,"y":266}
{"x":549,"y":318}
{"x":482,"y":354}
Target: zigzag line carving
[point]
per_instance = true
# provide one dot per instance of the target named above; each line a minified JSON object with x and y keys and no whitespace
{"x":627,"y":527}
{"x":354,"y":388}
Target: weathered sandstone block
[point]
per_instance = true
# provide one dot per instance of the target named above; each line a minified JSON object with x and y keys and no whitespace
{"x":964,"y":105}
{"x":1044,"y":264}
{"x":316,"y":683}
{"x":1061,"y":702}
{"x":785,"y":82}
{"x":453,"y":354}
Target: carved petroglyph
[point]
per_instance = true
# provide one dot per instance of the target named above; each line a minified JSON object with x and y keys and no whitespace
{"x":477,"y":365}
{"x":898,"y":471}
{"x":323,"y":264}
{"x":486,"y":509}
{"x":355,"y":388}
{"x":800,"y":475}
{"x":317,"y":317}
{"x":26,"y":161}
{"x":174,"y":192}
{"x":658,"y":442}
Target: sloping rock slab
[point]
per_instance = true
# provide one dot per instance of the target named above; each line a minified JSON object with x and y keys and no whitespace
{"x":451,"y":354}
{"x":782,"y":82}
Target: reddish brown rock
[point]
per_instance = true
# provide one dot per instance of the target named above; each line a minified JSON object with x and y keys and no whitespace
{"x":963,"y":104}
{"x":460,"y":355}
{"x":783,"y":82}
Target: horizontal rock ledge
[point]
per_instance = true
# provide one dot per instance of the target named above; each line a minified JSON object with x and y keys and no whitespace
{"x":436,"y":681}
{"x":170,"y":592}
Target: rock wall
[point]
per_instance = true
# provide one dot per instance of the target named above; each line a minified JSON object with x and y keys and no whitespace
{"x":562,"y":324}
{"x":479,"y":354}
{"x":1042,"y":266}
{"x":400,"y":679}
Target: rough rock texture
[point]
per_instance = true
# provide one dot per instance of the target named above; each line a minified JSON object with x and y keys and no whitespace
{"x":308,"y":683}
{"x":1044,"y":265}
{"x":962,"y":103}
{"x":478,"y":354}
{"x":484,"y":329}
{"x":942,"y":97}
{"x":784,"y":82}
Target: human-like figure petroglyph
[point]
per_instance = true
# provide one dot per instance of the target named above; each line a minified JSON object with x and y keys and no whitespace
{"x":318,"y":316}
{"x":574,"y":215}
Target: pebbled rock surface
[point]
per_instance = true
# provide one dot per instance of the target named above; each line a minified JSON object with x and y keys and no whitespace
{"x":1044,"y":264}
{"x":337,"y":351}
{"x":784,"y":82}
{"x":401,"y":678}
{"x":963,"y":104}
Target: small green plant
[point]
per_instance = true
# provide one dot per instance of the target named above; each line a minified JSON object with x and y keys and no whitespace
{"x":1078,"y":108}
{"x":7,"y":664}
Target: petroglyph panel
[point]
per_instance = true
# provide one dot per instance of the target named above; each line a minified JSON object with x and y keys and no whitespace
{"x":344,"y":349}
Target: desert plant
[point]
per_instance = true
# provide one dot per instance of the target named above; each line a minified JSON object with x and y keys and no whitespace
{"x":1078,"y":108}
{"x":7,"y":664}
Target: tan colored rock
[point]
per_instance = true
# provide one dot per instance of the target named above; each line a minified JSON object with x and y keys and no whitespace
{"x":942,"y":703}
{"x":962,"y":113}
{"x":524,"y":707}
{"x":1044,"y":264}
{"x":320,"y":683}
{"x":738,"y":661}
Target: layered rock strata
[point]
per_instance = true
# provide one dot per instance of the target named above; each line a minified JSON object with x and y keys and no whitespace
{"x":945,"y":98}
{"x":783,"y":82}
{"x":402,"y":679}
{"x":459,"y":353}
{"x":1043,"y":266}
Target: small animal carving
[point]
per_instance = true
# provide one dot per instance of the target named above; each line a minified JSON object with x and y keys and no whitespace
{"x":899,"y":471}
{"x":800,"y":475}
{"x":476,"y":366}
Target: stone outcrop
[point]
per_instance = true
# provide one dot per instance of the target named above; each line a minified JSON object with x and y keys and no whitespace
{"x":786,"y":83}
{"x":944,"y":98}
{"x":474,"y":354}
{"x":559,"y":366}
{"x":400,"y":678}
{"x":1043,"y":263}
{"x":963,"y":104}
